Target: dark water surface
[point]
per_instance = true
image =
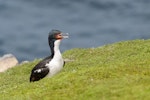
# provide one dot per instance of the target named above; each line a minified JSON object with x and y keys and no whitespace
{"x":24,"y":24}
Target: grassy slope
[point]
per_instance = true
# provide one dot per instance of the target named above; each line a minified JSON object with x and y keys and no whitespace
{"x":117,"y":71}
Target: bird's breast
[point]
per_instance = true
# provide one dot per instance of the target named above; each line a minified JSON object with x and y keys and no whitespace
{"x":55,"y":65}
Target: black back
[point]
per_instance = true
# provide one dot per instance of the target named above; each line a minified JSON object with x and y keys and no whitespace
{"x":44,"y":70}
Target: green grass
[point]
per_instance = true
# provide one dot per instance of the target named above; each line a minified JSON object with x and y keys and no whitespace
{"x":119,"y":71}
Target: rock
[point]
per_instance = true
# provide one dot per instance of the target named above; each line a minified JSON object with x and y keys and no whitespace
{"x":7,"y":61}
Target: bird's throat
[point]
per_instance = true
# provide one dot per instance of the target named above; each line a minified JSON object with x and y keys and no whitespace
{"x":57,"y":53}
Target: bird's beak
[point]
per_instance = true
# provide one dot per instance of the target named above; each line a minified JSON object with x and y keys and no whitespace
{"x":65,"y":35}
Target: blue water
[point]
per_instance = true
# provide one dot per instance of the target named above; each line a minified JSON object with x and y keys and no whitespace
{"x":24,"y":24}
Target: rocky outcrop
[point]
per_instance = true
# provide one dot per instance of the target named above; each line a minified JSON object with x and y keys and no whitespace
{"x":7,"y":61}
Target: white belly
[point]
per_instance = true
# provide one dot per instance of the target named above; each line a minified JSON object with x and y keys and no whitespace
{"x":55,"y":66}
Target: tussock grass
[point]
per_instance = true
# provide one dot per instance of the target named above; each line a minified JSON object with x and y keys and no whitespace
{"x":119,"y":71}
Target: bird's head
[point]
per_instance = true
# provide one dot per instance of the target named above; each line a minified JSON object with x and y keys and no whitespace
{"x":56,"y":35}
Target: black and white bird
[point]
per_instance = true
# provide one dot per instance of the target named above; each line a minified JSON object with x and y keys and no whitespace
{"x":53,"y":63}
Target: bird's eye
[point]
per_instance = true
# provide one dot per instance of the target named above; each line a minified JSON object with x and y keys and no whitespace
{"x":59,"y":35}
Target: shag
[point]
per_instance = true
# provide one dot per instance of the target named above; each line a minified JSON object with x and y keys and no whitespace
{"x":52,"y":64}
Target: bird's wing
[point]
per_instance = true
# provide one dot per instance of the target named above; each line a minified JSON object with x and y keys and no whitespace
{"x":40,"y":70}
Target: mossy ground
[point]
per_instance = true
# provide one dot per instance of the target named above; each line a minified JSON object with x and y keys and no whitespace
{"x":119,"y":71}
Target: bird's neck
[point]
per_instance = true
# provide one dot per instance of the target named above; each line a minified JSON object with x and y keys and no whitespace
{"x":55,"y":50}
